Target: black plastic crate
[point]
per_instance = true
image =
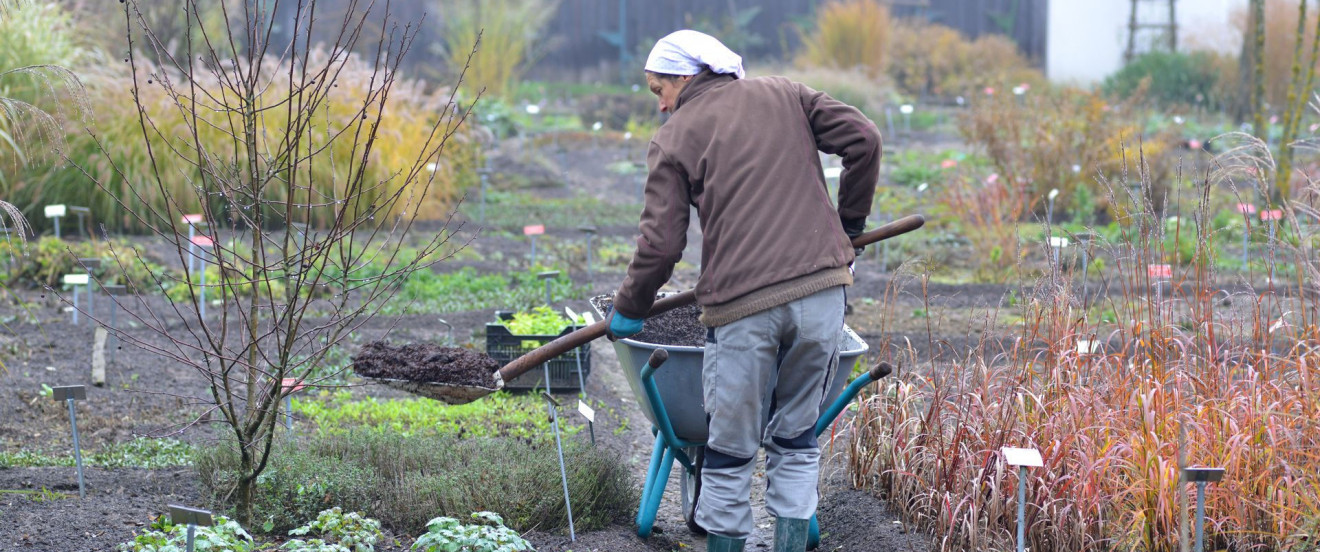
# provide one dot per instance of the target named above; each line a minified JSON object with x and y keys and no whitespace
{"x":504,"y":347}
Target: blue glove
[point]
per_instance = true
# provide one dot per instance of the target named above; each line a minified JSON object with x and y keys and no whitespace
{"x":621,"y":326}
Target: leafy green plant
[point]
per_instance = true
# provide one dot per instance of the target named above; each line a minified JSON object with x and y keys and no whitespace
{"x":225,"y":535}
{"x":142,"y":452}
{"x":488,"y":534}
{"x":500,"y":414}
{"x":339,"y":532}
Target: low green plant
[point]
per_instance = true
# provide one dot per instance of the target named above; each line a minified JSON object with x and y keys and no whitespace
{"x":339,"y":532}
{"x":143,"y":452}
{"x":500,"y":414}
{"x":403,"y":481}
{"x":488,"y":534}
{"x":1172,"y":78}
{"x":225,"y":535}
{"x":43,"y":262}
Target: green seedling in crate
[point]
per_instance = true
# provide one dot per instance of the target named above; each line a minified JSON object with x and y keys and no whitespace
{"x":541,"y":320}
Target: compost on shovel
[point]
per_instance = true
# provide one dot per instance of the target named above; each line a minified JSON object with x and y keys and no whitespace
{"x":425,"y":362}
{"x":680,"y":326}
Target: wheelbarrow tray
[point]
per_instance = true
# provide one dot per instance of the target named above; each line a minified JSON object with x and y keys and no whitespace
{"x":679,"y":383}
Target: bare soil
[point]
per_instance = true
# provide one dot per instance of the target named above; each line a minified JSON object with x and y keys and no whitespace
{"x":679,"y":326}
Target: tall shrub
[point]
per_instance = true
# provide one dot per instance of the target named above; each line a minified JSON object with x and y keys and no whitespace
{"x":510,"y":34}
{"x":932,"y":59}
{"x":266,"y":137}
{"x":1173,"y":78}
{"x":850,"y":34}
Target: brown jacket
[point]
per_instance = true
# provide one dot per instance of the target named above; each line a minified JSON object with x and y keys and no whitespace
{"x":743,"y":151}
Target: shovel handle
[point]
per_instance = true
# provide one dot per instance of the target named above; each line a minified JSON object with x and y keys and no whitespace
{"x":579,"y":337}
{"x":582,"y":336}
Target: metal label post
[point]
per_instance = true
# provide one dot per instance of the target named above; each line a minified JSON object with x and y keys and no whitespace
{"x":69,"y":394}
{"x":192,"y":517}
{"x":1201,"y":476}
{"x":532,"y":232}
{"x":1022,"y":458}
{"x":551,"y":404}
{"x":75,"y":280}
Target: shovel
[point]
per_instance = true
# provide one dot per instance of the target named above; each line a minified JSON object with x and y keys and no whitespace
{"x":460,"y":394}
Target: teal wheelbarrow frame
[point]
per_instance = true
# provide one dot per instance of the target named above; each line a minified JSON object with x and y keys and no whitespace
{"x":668,"y":447}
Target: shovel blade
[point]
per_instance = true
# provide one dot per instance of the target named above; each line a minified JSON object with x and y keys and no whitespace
{"x":444,"y":392}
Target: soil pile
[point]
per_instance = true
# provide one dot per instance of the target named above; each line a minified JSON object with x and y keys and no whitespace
{"x":425,"y":362}
{"x":676,"y":327}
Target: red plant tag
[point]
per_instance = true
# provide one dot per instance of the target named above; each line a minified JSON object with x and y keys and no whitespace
{"x":1246,"y":208}
{"x":203,"y":241}
{"x":534,"y":230}
{"x":193,"y":219}
{"x":1271,"y":214}
{"x":1161,"y":271}
{"x":291,"y":385}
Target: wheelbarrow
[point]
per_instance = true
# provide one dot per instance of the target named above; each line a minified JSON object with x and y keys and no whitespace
{"x":671,"y":400}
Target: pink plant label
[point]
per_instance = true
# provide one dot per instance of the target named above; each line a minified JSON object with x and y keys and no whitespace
{"x":1271,"y":214}
{"x":203,"y":241}
{"x":989,"y":91}
{"x":534,"y":230}
{"x":291,"y":385}
{"x":949,"y":164}
{"x":1194,"y":144}
{"x":1246,"y":208}
{"x":994,"y":177}
{"x":1159,"y":271}
{"x":193,"y":219}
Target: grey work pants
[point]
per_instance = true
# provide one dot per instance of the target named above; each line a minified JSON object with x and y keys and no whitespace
{"x":795,"y":346}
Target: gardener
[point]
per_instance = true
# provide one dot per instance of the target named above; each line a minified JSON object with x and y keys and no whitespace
{"x":775,"y":258}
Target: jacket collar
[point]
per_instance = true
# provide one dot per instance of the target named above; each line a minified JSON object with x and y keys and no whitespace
{"x":705,"y":80}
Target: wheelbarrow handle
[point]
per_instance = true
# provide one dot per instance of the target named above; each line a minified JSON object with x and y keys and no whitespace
{"x":579,"y":337}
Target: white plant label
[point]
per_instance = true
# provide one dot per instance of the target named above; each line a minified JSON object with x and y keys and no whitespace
{"x":53,"y":211}
{"x":1022,"y":457}
{"x":587,"y":412}
{"x":76,"y":279}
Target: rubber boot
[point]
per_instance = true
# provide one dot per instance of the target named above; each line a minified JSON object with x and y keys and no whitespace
{"x":791,"y":534}
{"x":720,"y":543}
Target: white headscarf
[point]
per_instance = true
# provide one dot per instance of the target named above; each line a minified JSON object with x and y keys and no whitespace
{"x":685,"y":52}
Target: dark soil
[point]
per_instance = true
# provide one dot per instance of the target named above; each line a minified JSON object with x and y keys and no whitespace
{"x":680,"y":326}
{"x":425,"y":362}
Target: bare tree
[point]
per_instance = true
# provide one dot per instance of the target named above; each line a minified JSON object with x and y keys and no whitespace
{"x":275,"y":153}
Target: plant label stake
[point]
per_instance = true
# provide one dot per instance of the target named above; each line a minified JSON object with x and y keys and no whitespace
{"x":68,"y":394}
{"x":1057,"y":243}
{"x":889,"y":120}
{"x":89,"y":265}
{"x":546,"y":277}
{"x":75,"y":280}
{"x":532,"y":232}
{"x":289,"y":386}
{"x":193,"y":221}
{"x":1023,"y":458}
{"x":590,"y":414}
{"x":1246,"y":209}
{"x":192,"y":517}
{"x":906,"y":110}
{"x":551,"y":404}
{"x":577,"y":356}
{"x":1201,"y":476}
{"x":112,"y":340}
{"x":590,"y":231}
{"x":56,"y":212}
{"x":204,"y":242}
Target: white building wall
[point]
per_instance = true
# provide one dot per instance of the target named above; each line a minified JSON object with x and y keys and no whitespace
{"x":1086,"y":38}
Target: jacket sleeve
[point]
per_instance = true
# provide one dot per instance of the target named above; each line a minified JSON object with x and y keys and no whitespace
{"x":663,"y":235}
{"x":843,"y":130}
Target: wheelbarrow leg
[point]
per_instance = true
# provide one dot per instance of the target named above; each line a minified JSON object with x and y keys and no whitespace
{"x":652,"y":470}
{"x":647,"y":512}
{"x":813,"y":534}
{"x":832,"y":412}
